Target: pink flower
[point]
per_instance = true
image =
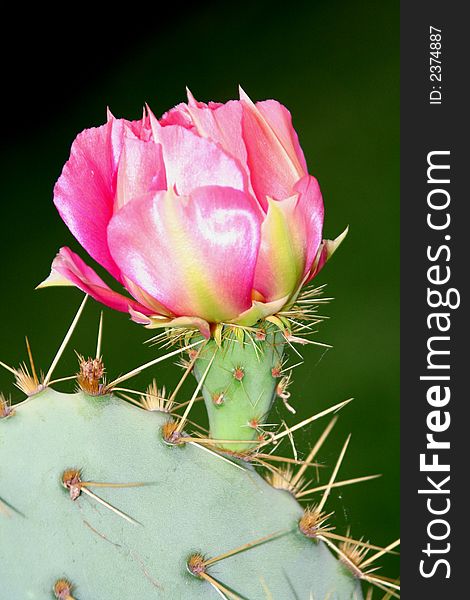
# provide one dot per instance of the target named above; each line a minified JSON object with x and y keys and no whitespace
{"x":207,"y":215}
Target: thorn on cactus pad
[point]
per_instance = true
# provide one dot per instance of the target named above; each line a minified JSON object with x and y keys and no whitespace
{"x":223,"y":592}
{"x":359,"y":543}
{"x":218,"y":398}
{"x":196,"y":565}
{"x":295,"y":483}
{"x":191,"y":402}
{"x":25,"y":380}
{"x":151,"y":363}
{"x":313,"y":523}
{"x":90,"y":377}
{"x":283,"y":479}
{"x":245,"y":547}
{"x":313,"y":452}
{"x":328,"y":488}
{"x":72,"y":482}
{"x":193,"y":354}
{"x":65,"y":341}
{"x":6,"y":409}
{"x":99,"y":340}
{"x":282,"y":392}
{"x":319,"y":488}
{"x":305,"y":422}
{"x":63,"y":589}
{"x":282,"y":389}
{"x":238,"y":373}
{"x":155,"y":399}
{"x":260,"y":334}
{"x":28,"y":381}
{"x":183,"y":363}
{"x":171,"y":435}
{"x":352,"y":554}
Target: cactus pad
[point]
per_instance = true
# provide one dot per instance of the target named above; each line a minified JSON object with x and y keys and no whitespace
{"x":171,"y":505}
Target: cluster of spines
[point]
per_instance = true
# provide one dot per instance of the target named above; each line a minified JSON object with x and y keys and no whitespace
{"x":314,"y":523}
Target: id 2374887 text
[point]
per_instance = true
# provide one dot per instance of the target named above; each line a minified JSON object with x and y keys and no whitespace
{"x":435,"y":65}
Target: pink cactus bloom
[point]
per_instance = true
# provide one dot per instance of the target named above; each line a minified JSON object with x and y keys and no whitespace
{"x":207,"y":215}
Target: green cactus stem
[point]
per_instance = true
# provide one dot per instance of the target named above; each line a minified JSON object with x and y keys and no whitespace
{"x":242,"y":383}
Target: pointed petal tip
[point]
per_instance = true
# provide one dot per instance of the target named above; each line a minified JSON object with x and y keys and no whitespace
{"x":334,"y":244}
{"x":55,"y":278}
{"x":325,"y":252}
{"x":139,"y":317}
{"x":159,"y":321}
{"x":243,"y":95}
{"x":68,"y":269}
{"x":148,"y":110}
{"x":154,"y":122}
{"x":260,"y":310}
{"x":191,"y":99}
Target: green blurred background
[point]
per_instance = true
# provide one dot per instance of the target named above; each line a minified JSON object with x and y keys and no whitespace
{"x":335,"y":65}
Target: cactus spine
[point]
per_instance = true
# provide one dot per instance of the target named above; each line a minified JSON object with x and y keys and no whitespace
{"x":100,"y":498}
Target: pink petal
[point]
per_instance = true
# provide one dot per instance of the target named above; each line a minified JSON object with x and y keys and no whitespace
{"x":84,"y":193}
{"x":192,"y":161}
{"x":157,"y":322}
{"x":178,"y":115}
{"x":281,"y":258}
{"x":69,"y":269}
{"x":280,"y":121}
{"x":195,"y":255}
{"x":141,"y":171}
{"x":310,"y":211}
{"x":222,"y":123}
{"x":146,"y":299}
{"x":290,"y":237}
{"x":142,"y":128}
{"x":260,"y":310}
{"x":272,"y":156}
{"x":325,"y":252}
